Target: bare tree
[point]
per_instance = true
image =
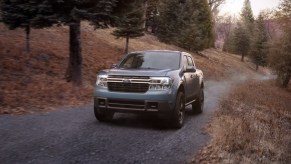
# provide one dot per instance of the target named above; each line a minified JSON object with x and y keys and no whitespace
{"x":269,"y":17}
{"x":226,"y":23}
{"x":214,"y":4}
{"x":223,"y":26}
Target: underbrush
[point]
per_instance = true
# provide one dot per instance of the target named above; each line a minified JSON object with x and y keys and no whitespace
{"x":36,"y":83}
{"x":253,"y":125}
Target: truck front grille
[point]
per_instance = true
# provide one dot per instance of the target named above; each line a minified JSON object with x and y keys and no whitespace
{"x":128,"y":87}
{"x":128,"y":84}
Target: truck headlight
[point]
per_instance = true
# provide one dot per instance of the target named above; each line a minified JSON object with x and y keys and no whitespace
{"x":102,"y":80}
{"x":160,"y":83}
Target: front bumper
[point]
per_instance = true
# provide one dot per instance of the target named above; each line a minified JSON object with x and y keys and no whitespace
{"x":149,"y":102}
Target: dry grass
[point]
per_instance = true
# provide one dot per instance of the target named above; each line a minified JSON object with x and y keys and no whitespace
{"x":35,"y":82}
{"x":252,"y":126}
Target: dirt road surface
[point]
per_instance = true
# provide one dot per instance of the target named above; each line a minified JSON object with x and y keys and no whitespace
{"x":74,"y":135}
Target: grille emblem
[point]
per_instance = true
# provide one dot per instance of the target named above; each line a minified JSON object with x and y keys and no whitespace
{"x":127,"y":81}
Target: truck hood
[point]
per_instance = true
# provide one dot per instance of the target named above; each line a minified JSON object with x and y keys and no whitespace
{"x":135,"y":72}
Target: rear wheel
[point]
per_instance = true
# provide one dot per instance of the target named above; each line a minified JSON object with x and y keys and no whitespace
{"x":179,"y":111}
{"x":103,"y":117}
{"x":198,"y":105}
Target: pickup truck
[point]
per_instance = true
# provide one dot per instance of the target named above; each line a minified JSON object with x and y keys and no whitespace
{"x":156,"y":82}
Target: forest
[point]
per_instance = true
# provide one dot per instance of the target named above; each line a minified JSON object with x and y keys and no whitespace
{"x":191,"y":24}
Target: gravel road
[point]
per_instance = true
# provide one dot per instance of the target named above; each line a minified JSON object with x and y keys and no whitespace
{"x":74,"y":136}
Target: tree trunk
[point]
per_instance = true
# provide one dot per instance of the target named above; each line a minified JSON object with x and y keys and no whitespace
{"x":126,"y":45}
{"x":286,"y":80}
{"x":74,"y":69}
{"x":154,"y":25}
{"x":27,"y":31}
{"x":283,"y":79}
{"x":242,"y":57}
{"x":257,"y":67}
{"x":145,"y":6}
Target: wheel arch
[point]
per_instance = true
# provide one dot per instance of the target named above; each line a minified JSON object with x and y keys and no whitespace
{"x":181,"y":88}
{"x":202,"y":85}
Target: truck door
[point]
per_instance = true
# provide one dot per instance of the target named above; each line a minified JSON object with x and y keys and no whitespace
{"x":187,"y":77}
{"x":195,"y":87}
{"x":189,"y":80}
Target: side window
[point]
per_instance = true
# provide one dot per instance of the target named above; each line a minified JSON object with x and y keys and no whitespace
{"x":190,"y":62}
{"x":129,"y":62}
{"x":185,"y":61}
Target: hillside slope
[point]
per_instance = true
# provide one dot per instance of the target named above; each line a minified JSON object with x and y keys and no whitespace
{"x":35,"y":81}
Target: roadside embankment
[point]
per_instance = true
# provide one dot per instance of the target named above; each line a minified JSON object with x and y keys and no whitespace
{"x":251,"y":126}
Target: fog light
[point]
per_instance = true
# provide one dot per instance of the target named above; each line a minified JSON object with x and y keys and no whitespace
{"x":101,"y":102}
{"x":152,"y":105}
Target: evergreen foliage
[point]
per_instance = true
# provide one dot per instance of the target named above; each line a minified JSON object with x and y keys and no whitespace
{"x":197,"y":26}
{"x":246,"y":26}
{"x":18,"y":13}
{"x":26,"y":14}
{"x":279,"y":53}
{"x":187,"y":24}
{"x":241,"y":40}
{"x":45,"y":16}
{"x":280,"y":58}
{"x":258,"y":51}
{"x":229,"y":45}
{"x":131,"y":24}
{"x":247,"y":16}
{"x":169,"y":21}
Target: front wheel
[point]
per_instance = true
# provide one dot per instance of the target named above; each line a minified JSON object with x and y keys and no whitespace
{"x":179,"y":111}
{"x":103,"y":117}
{"x":198,"y":105}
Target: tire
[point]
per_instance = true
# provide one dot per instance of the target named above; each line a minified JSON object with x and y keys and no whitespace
{"x":198,"y":105}
{"x":103,"y":117}
{"x":179,"y":112}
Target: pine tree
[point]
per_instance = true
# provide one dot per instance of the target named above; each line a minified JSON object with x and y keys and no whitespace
{"x":186,"y":23}
{"x":205,"y":21}
{"x":244,"y":30}
{"x":247,"y":16}
{"x":45,"y":16}
{"x":197,"y":26}
{"x":258,"y":51}
{"x":23,"y":14}
{"x":241,"y":40}
{"x":169,"y":21}
{"x":131,"y":25}
{"x":229,"y":43}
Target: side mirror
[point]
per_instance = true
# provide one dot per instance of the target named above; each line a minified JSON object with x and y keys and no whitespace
{"x":114,"y":66}
{"x":190,"y":69}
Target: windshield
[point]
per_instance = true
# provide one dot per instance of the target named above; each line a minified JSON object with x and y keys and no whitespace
{"x":152,"y":60}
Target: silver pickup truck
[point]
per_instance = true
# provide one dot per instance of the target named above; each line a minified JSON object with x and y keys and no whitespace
{"x":156,"y":82}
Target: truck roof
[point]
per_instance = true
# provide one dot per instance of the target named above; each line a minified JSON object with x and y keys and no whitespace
{"x":179,"y":52}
